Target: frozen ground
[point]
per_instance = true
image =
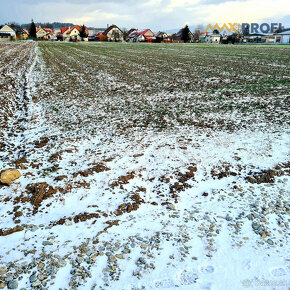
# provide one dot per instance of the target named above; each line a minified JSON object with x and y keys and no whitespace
{"x":144,"y":166}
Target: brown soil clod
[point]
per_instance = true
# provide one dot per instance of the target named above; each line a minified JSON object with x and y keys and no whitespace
{"x":11,"y":231}
{"x":60,"y":178}
{"x":55,"y":157}
{"x":39,"y":191}
{"x":20,"y":162}
{"x":182,"y":184}
{"x":41,"y":142}
{"x":97,"y":168}
{"x":264,"y":176}
{"x":123,"y":179}
{"x":222,"y":171}
{"x":130,"y":206}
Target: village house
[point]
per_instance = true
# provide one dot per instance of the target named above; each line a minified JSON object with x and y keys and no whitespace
{"x":259,"y":38}
{"x":163,"y":37}
{"x":113,"y":33}
{"x":202,"y":37}
{"x":13,"y":32}
{"x":73,"y":33}
{"x":56,"y":33}
{"x":161,"y":34}
{"x":145,"y":35}
{"x":100,"y":36}
{"x":43,"y":33}
{"x":64,"y":33}
{"x":130,"y":31}
{"x":132,"y":35}
{"x":92,"y":36}
{"x":213,"y":38}
{"x":283,"y":37}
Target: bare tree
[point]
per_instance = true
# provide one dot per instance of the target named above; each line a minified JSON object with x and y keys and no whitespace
{"x":198,"y":31}
{"x":125,"y":33}
{"x":200,"y":27}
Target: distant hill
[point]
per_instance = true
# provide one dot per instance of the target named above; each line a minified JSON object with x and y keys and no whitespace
{"x":172,"y":30}
{"x":175,"y":30}
{"x":97,"y":28}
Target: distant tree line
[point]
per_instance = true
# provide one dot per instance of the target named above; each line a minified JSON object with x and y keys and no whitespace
{"x":54,"y":25}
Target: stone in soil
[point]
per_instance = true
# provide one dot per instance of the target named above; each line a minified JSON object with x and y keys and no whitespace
{"x":12,"y":284}
{"x":3,"y":270}
{"x":112,"y":259}
{"x":68,"y":223}
{"x":40,"y":266}
{"x":270,"y":242}
{"x":41,"y":277}
{"x":36,"y":284}
{"x":80,"y":260}
{"x":9,"y":175}
{"x":62,"y":263}
{"x":256,"y":226}
{"x":47,"y":243}
{"x":34,"y":228}
{"x":120,"y":256}
{"x":32,"y":278}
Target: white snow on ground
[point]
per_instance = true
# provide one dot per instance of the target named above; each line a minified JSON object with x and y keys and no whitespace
{"x":202,"y":241}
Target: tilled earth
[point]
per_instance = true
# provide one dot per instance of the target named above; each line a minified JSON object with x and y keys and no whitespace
{"x":144,"y":166}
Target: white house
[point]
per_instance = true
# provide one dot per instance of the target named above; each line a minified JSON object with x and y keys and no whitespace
{"x":283,"y":37}
{"x":73,"y":33}
{"x":213,"y":38}
{"x":7,"y":31}
{"x":13,"y":31}
{"x":44,"y":33}
{"x":113,"y":33}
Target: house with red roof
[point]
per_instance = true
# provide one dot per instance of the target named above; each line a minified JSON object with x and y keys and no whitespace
{"x":63,"y":29}
{"x":43,"y":33}
{"x":145,"y":35}
{"x":132,"y":35}
{"x":64,"y":33}
{"x":163,"y":37}
{"x":73,"y":33}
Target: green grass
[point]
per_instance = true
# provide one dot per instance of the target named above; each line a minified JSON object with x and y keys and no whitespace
{"x":134,"y":85}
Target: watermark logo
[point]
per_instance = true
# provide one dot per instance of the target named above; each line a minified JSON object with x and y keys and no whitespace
{"x":230,"y":27}
{"x":250,"y":28}
{"x":254,"y":283}
{"x":261,"y":28}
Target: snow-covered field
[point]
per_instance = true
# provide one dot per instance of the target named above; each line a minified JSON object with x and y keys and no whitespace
{"x":144,"y":166}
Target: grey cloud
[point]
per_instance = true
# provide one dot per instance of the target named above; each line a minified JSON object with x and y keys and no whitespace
{"x":216,"y":2}
{"x":132,"y":13}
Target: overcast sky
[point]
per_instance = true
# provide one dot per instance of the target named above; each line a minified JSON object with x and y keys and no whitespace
{"x":154,"y":14}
